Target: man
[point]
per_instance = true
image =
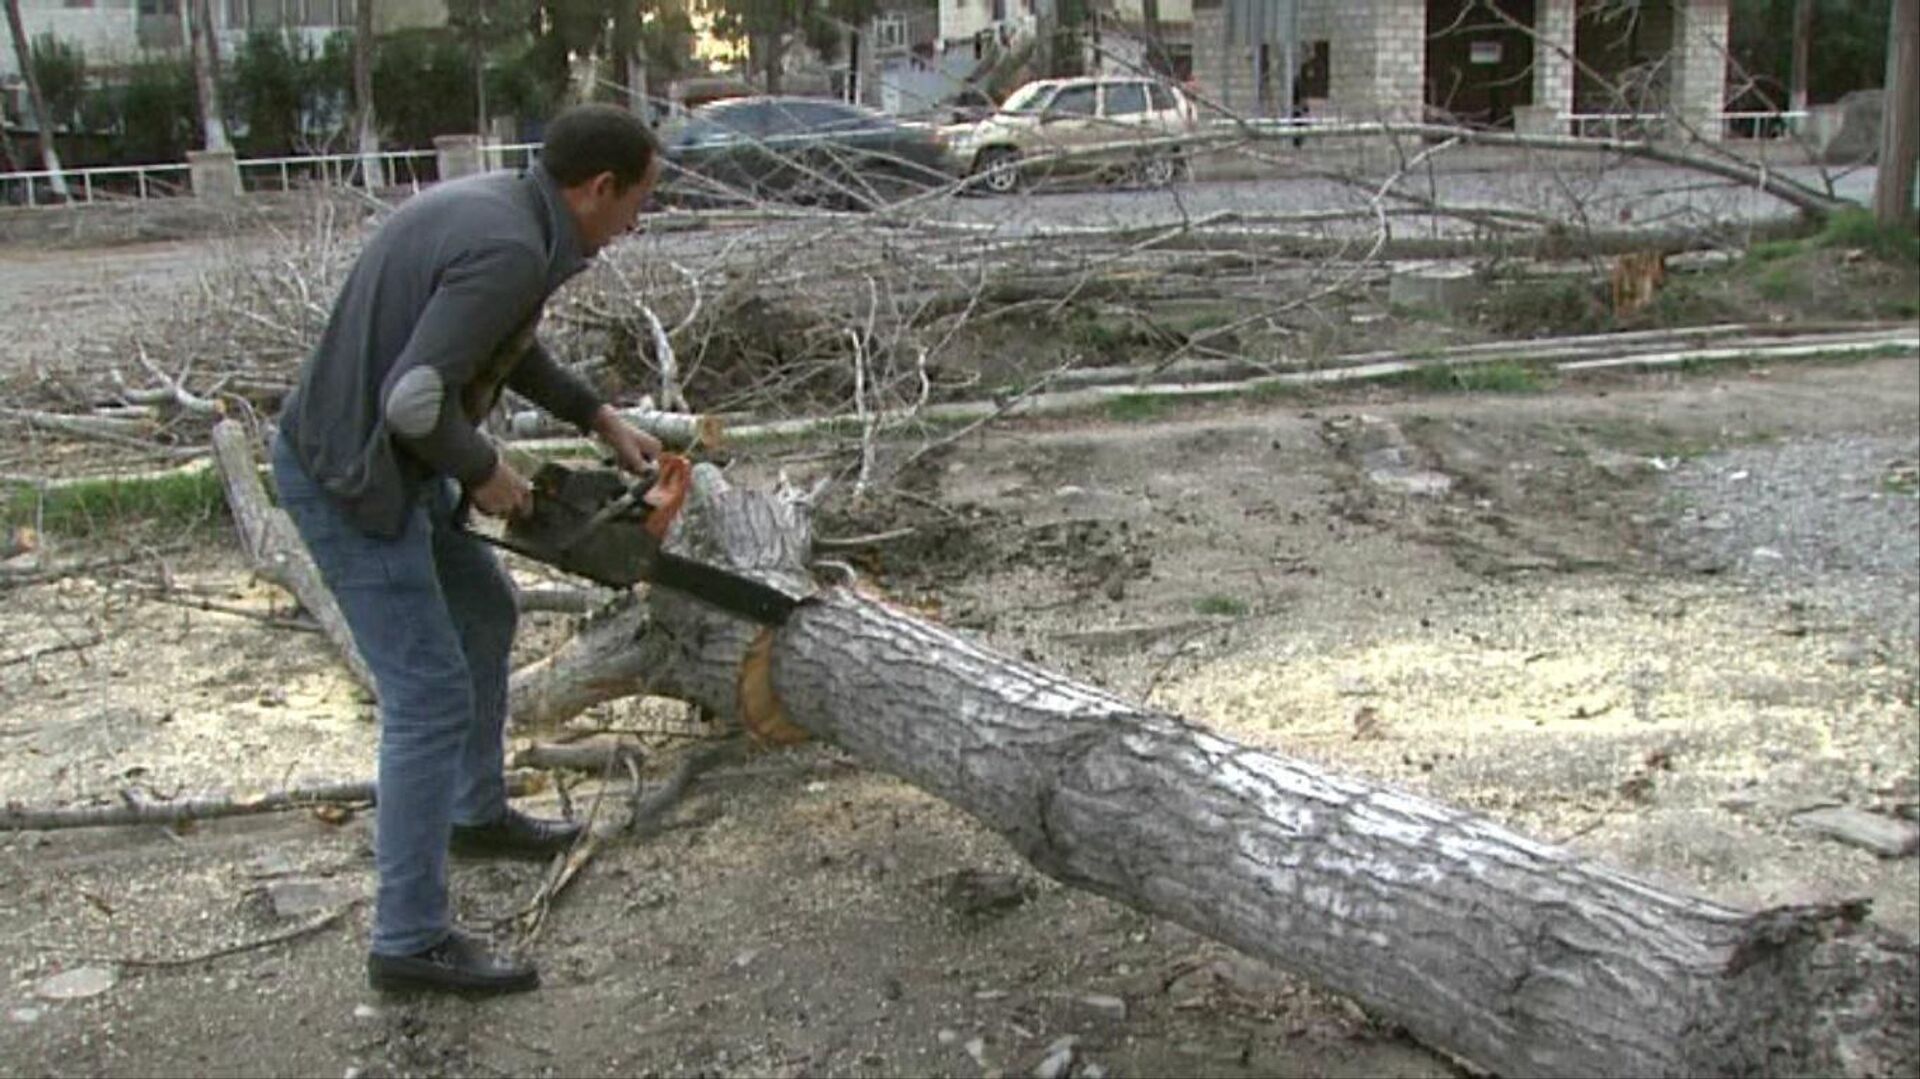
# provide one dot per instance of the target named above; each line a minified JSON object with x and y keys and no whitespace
{"x":436,"y":316}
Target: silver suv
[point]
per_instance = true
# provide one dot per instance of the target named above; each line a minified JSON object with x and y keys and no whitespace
{"x":1108,"y":127}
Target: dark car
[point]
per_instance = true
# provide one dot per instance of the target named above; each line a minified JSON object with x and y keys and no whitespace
{"x":800,"y":150}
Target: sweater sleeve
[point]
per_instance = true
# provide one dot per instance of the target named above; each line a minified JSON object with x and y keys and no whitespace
{"x":539,"y":378}
{"x":481,"y":298}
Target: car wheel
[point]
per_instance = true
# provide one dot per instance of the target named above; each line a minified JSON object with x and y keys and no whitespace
{"x":998,"y":169}
{"x":1160,"y":170}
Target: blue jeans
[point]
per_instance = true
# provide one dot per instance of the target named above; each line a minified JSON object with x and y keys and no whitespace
{"x":433,"y":615}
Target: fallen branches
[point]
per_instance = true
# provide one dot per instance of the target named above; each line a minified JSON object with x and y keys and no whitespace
{"x":135,"y":809}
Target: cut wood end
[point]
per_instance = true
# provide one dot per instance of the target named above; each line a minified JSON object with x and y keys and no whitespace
{"x":760,"y":711}
{"x":709,"y":432}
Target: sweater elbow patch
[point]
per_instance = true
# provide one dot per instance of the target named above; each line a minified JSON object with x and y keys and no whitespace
{"x":413,"y":406}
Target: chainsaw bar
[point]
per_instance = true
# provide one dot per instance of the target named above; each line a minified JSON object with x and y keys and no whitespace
{"x":592,"y":524}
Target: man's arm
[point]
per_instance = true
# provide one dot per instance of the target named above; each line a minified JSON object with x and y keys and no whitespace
{"x":542,"y":380}
{"x":482,"y":298}
{"x":539,"y":378}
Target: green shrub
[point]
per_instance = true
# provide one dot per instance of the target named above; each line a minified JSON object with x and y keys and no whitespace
{"x":1549,"y":306}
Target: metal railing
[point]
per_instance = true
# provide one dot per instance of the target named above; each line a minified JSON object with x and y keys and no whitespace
{"x":32,"y":188}
{"x":409,"y":169}
{"x":337,"y":170}
{"x":1759,"y":124}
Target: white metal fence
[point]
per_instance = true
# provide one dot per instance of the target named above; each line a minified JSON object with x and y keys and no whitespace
{"x":399,"y":169}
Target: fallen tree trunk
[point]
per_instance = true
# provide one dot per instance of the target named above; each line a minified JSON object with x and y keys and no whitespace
{"x":272,"y":544}
{"x":1519,"y":957}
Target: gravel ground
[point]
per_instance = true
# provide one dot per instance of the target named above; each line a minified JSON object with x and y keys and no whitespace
{"x":1837,"y":514}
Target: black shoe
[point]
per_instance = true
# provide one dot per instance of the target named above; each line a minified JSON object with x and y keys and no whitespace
{"x":515,"y":834}
{"x":459,"y":964}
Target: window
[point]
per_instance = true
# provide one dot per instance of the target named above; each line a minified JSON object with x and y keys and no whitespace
{"x":1074,"y":101}
{"x":1126,"y":99}
{"x":159,"y":7}
{"x":1162,"y":98}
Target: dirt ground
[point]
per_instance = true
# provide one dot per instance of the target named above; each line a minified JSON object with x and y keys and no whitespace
{"x":1649,"y":617}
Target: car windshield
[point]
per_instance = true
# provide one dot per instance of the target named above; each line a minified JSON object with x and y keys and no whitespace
{"x":1032,"y":97}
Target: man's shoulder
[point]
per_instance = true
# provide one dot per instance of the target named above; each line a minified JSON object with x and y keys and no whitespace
{"x":490,"y":208}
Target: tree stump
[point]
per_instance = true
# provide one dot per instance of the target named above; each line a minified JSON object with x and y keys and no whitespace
{"x":1519,"y":957}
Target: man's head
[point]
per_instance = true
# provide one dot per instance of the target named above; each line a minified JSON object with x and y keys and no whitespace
{"x":605,"y":161}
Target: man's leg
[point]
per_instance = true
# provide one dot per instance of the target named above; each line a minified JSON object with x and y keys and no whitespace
{"x":480,"y":598}
{"x":390,"y":595}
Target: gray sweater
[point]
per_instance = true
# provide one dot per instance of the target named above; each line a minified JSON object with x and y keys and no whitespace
{"x":437,"y":314}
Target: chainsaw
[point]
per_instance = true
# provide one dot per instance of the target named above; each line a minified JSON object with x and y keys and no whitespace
{"x":600,"y":524}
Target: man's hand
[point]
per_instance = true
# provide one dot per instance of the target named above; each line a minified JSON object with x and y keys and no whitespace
{"x":505,"y":494}
{"x":632,"y":447}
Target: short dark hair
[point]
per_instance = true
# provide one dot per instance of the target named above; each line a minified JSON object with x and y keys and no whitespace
{"x":587,"y":140}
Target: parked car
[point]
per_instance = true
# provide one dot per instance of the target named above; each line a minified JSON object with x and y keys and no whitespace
{"x":1108,"y":125}
{"x":796,"y":149}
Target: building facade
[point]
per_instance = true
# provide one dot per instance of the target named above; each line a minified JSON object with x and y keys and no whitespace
{"x":114,"y":33}
{"x":1455,"y":60}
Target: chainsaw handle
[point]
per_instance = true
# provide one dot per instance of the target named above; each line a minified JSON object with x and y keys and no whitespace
{"x":668,"y":493}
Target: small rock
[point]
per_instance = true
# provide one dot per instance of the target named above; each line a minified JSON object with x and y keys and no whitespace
{"x":1768,"y":554}
{"x":745,"y":959}
{"x":975,"y":892}
{"x":1093,"y":1071}
{"x":1104,"y":1006}
{"x":272,"y":863}
{"x":1885,"y":836}
{"x":24,"y":1015}
{"x":1069,"y":491}
{"x":946,"y":1036}
{"x":273,"y":698}
{"x":990,"y":994}
{"x":297,"y":897}
{"x":1055,"y":1064}
{"x":977,"y":1049}
{"x":77,"y":984}
{"x":1418,"y":482}
{"x":365,"y":1011}
{"x":353,"y":1073}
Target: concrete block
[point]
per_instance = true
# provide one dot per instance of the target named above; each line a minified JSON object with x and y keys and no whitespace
{"x":215,"y":175}
{"x":459,"y":155}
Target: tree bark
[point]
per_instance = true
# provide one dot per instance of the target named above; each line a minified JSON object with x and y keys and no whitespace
{"x":372,"y":172}
{"x":205,"y":51}
{"x":1516,"y":956}
{"x":1900,"y":126}
{"x":23,"y":55}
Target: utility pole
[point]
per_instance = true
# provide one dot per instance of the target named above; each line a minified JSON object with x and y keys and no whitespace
{"x":1900,"y":126}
